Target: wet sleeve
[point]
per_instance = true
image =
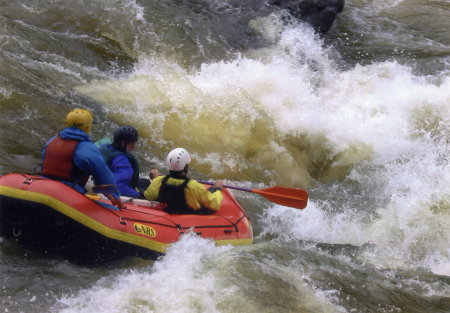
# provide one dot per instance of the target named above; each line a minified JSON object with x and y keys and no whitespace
{"x":123,"y":173}
{"x":207,"y":199}
{"x":88,"y":158}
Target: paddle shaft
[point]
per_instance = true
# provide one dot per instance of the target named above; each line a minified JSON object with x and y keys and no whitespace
{"x":226,"y":186}
{"x":291,"y":197}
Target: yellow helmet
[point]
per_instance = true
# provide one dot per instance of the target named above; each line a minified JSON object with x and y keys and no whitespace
{"x":81,"y":119}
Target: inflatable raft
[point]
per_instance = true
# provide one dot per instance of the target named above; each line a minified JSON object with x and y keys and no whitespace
{"x":54,"y":218}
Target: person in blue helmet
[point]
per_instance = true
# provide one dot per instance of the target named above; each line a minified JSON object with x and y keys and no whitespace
{"x":123,"y":164}
{"x":72,"y":158}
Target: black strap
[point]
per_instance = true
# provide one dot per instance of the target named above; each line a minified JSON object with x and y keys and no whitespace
{"x":174,"y":196}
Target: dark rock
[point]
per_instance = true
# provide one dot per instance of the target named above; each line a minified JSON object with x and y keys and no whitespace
{"x":320,"y":14}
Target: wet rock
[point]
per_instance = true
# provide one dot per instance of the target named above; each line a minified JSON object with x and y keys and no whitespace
{"x":320,"y":14}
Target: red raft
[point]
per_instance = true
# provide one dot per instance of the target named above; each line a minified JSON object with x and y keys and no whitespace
{"x":54,"y":218}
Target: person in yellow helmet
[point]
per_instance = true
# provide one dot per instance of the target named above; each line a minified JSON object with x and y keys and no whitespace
{"x":80,"y":118}
{"x":71,"y":157}
{"x":182,"y":194}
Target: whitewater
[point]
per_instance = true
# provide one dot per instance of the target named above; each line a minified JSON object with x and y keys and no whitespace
{"x":358,"y":118}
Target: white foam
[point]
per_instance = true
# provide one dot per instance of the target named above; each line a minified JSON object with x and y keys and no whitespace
{"x":178,"y":282}
{"x":281,"y":110}
{"x":442,"y":269}
{"x":313,"y":224}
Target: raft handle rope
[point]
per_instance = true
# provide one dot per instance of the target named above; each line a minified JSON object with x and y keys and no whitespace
{"x":28,"y":181}
{"x":179,"y":227}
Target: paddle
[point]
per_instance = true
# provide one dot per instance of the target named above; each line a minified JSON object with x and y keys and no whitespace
{"x":108,"y":190}
{"x":291,"y":197}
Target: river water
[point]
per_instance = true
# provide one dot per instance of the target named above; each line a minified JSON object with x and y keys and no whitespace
{"x":360,"y":118}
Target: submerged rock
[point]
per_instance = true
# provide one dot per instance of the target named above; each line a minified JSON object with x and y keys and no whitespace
{"x":320,"y":14}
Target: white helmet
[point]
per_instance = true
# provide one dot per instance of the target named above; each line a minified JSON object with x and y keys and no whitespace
{"x":177,"y":159}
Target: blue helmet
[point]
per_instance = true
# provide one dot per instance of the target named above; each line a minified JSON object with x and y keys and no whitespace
{"x":125,"y":133}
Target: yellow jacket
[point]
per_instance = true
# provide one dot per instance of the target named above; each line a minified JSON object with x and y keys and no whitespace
{"x":196,"y":194}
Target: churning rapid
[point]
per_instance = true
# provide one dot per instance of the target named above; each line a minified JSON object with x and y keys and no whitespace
{"x":359,"y":117}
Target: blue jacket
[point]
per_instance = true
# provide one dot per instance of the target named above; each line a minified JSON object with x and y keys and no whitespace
{"x":123,"y":174}
{"x":87,"y":158}
{"x":124,"y":167}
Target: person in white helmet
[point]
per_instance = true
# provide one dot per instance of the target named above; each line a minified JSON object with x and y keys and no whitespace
{"x":182,"y":194}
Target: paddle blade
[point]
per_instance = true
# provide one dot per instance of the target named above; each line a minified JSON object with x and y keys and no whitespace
{"x":291,"y":197}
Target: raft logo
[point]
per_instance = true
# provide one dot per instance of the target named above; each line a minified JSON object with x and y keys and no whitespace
{"x":144,"y":230}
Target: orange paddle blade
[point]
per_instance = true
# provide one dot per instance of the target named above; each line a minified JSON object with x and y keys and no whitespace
{"x":291,"y":197}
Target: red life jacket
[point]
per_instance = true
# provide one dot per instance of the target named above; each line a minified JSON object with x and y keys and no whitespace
{"x":58,"y":161}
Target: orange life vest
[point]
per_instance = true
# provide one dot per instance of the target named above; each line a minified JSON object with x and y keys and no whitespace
{"x":58,"y":161}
